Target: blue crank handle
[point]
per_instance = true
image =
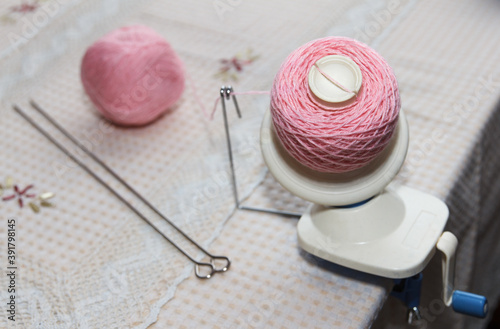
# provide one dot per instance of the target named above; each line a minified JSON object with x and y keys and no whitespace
{"x":469,"y":304}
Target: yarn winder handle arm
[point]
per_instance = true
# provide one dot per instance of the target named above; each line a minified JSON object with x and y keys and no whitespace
{"x":461,"y":301}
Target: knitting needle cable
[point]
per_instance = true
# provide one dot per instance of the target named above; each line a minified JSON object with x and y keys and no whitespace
{"x":198,"y":265}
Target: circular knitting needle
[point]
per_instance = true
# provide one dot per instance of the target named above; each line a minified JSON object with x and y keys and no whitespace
{"x":199,"y":266}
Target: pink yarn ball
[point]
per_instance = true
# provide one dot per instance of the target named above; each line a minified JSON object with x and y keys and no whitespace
{"x":132,"y":75}
{"x":335,"y":138}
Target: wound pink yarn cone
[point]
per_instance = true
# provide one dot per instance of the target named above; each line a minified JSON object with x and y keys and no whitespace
{"x":132,"y":75}
{"x":340,"y":137}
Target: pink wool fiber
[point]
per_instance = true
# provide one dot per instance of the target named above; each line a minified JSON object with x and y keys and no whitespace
{"x":132,"y":75}
{"x":335,"y":138}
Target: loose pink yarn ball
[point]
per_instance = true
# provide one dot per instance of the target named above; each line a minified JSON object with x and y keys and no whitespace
{"x":351,"y":135}
{"x":132,"y":75}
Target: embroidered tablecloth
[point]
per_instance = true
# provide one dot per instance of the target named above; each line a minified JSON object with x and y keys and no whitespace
{"x":84,"y":260}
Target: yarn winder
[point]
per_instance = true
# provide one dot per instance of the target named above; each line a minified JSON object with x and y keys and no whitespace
{"x":358,"y":218}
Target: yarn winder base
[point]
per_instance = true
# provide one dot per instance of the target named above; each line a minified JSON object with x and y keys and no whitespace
{"x":393,"y":235}
{"x":394,"y":244}
{"x":329,"y":188}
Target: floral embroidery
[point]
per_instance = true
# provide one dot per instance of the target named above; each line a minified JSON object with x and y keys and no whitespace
{"x":231,"y":68}
{"x":15,"y":12}
{"x":24,"y":7}
{"x":20,"y":195}
{"x":23,"y":195}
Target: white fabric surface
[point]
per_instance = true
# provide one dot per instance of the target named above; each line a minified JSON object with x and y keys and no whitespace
{"x":89,"y":263}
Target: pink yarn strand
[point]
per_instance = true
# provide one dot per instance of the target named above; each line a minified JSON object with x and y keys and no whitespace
{"x":335,"y":82}
{"x":197,"y":97}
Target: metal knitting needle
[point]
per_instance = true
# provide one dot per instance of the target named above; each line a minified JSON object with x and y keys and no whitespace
{"x":226,"y":93}
{"x":213,"y":258}
{"x":198,"y":265}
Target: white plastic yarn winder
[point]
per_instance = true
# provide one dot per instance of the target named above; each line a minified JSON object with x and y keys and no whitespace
{"x":360,"y":219}
{"x":394,"y":233}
